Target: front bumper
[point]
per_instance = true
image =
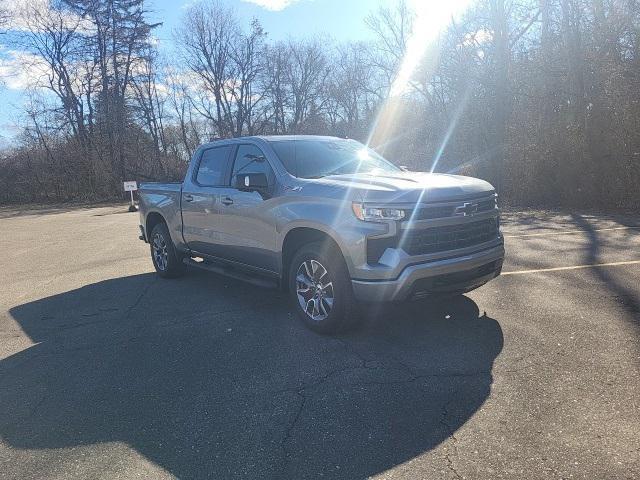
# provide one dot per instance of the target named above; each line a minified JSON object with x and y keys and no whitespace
{"x":459,"y":274}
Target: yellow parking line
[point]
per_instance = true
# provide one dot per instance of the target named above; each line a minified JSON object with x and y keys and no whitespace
{"x":569,"y":232}
{"x":575,"y":267}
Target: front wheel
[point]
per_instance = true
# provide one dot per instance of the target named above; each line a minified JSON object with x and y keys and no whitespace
{"x":167,"y":262}
{"x":320,"y":288}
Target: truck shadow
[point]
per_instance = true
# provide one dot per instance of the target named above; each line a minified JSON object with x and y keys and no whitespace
{"x":211,"y":378}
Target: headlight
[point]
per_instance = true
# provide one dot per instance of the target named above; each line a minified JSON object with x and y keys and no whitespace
{"x":375,"y":214}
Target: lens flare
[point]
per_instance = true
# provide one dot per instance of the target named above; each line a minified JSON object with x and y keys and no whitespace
{"x":452,"y":126}
{"x":430,"y":18}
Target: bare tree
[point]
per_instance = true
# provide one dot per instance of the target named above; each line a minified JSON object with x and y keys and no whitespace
{"x":148,"y":91}
{"x":392,"y":27}
{"x":277,"y":63}
{"x":306,"y":81}
{"x":228,"y":63}
{"x":118,"y":37}
{"x":54,"y":38}
{"x":190,"y":133}
{"x":352,"y":90}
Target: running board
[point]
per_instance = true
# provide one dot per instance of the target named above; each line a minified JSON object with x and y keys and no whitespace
{"x":231,"y":272}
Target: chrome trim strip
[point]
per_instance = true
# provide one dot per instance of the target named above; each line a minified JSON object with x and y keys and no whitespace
{"x":451,"y":203}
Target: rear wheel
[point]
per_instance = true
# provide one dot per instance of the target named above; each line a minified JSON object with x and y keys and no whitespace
{"x":320,"y":288}
{"x":166,"y":260}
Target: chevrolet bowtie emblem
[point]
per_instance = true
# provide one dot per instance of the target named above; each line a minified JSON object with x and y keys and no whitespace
{"x":467,"y":209}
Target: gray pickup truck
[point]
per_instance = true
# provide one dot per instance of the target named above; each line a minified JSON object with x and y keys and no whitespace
{"x":325,"y":218}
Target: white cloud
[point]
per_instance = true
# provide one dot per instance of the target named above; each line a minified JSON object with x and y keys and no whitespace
{"x":20,"y":70}
{"x":30,"y":15}
{"x":273,"y":5}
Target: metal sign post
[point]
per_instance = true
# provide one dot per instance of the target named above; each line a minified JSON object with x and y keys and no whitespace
{"x":131,"y":187}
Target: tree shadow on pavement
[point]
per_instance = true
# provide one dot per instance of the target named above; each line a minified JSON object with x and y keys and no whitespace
{"x":628,"y":296}
{"x":212,"y":378}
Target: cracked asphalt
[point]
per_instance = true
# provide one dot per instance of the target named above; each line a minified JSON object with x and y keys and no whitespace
{"x":107,"y":371}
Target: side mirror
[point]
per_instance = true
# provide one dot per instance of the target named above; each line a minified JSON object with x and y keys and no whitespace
{"x":250,"y":182}
{"x":404,"y":168}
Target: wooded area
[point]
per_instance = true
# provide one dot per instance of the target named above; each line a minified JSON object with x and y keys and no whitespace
{"x":540,"y":97}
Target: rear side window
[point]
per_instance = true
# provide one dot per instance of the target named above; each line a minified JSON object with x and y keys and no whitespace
{"x":213,"y":165}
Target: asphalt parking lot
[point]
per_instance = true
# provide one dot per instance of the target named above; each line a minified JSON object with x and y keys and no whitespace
{"x":107,"y":371}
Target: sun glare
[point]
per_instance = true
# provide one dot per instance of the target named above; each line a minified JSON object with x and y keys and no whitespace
{"x":431,"y":17}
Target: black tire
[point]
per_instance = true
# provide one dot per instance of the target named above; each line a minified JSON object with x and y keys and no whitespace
{"x":342,"y":313}
{"x":167,"y":262}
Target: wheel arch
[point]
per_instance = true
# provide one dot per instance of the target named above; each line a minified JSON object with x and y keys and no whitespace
{"x":298,"y":236}
{"x":153,"y":218}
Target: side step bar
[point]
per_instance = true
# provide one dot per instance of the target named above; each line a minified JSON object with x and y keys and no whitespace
{"x":255,"y":279}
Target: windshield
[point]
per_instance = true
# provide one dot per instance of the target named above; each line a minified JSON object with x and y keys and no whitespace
{"x":308,"y":158}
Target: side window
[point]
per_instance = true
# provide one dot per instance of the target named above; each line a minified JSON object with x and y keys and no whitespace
{"x":250,"y":159}
{"x":213,"y":165}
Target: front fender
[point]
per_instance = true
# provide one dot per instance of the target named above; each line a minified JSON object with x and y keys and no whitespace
{"x":333,"y":218}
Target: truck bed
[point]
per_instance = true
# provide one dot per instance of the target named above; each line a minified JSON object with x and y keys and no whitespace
{"x":163,"y":199}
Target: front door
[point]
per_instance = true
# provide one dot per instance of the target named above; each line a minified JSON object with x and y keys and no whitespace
{"x":250,"y":232}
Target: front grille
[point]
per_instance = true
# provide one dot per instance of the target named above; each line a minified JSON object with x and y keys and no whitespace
{"x":450,"y":237}
{"x":436,"y":239}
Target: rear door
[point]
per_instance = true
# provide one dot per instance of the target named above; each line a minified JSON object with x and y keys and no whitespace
{"x":249,"y":225}
{"x":201,"y":200}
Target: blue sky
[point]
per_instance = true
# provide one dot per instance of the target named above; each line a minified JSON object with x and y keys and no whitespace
{"x":343,"y":20}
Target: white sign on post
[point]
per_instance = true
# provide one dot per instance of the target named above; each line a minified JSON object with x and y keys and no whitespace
{"x":131,"y":187}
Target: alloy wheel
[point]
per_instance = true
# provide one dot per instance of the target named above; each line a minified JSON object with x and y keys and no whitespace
{"x":160,"y":252}
{"x":314,"y":289}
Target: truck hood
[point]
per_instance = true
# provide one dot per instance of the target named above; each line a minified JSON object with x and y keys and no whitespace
{"x":407,"y":187}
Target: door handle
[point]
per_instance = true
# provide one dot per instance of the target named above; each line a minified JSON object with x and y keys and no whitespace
{"x":227,"y":201}
{"x":188,"y":198}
